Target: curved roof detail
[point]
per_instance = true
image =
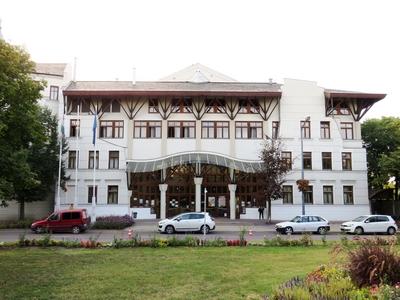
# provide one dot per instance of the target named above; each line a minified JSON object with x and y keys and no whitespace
{"x":193,"y":157}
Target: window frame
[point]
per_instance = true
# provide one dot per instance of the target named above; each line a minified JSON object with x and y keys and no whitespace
{"x":54,"y":90}
{"x":90,"y":193}
{"x":288,"y":159}
{"x":182,"y":129}
{"x":112,"y":195}
{"x":308,"y":195}
{"x":73,"y":161}
{"x":74,"y":127}
{"x":347,"y":130}
{"x":287,"y":195}
{"x":325,"y":159}
{"x":325,"y":130}
{"x":91,"y":159}
{"x":305,"y":129}
{"x":117,"y":130}
{"x":182,"y":105}
{"x":348,"y":195}
{"x":275,"y":129}
{"x":248,"y":129}
{"x":113,"y":161}
{"x":214,"y":129}
{"x":307,"y":157}
{"x":347,"y":164}
{"x":152,"y":106}
{"x":147,"y":126}
{"x":327,"y":195}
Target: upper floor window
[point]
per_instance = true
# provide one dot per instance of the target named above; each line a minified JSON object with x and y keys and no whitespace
{"x":91,"y":159}
{"x":346,"y":161}
{"x":305,"y":129}
{"x":111,"y":129}
{"x":181,"y":105}
{"x":287,"y":157}
{"x":112,"y":195}
{"x":325,"y":130}
{"x":287,"y":194}
{"x":275,"y":129}
{"x":54,"y":92}
{"x":249,"y":106}
{"x":326,"y":160}
{"x":328,"y":194}
{"x":307,"y":160}
{"x":341,"y":109}
{"x":113,"y":159}
{"x":111,"y":106}
{"x":72,"y":159}
{"x":347,"y":130}
{"x":215,"y":105}
{"x":181,"y":129}
{"x":74,"y":128}
{"x":214,"y":130}
{"x":249,"y":130}
{"x":348,"y":194}
{"x":153,"y":105}
{"x":147,"y":129}
{"x":308,"y":195}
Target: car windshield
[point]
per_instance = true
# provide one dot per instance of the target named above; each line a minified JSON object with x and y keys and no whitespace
{"x":296,"y":219}
{"x":359,"y":219}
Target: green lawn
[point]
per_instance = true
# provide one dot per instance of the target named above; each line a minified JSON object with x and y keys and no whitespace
{"x":147,"y":273}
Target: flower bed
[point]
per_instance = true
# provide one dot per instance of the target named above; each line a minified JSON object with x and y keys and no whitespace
{"x":113,"y":222}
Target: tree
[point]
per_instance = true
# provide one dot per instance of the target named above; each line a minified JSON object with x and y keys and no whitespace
{"x":273,"y":171}
{"x":28,"y":133}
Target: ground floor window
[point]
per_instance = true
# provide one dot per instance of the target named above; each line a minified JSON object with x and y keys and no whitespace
{"x":90,"y":193}
{"x":348,"y":194}
{"x":328,"y":194}
{"x":308,"y":195}
{"x":112,"y":197}
{"x":287,"y":194}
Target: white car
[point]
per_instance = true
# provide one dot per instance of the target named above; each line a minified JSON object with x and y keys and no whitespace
{"x":193,"y":221}
{"x":304,"y":224}
{"x":370,"y":224}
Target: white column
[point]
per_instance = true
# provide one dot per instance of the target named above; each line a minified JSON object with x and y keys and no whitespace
{"x":163,"y":202}
{"x":198,"y":181}
{"x":232,"y":200}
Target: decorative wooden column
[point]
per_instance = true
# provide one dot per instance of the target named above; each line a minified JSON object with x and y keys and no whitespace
{"x":232,"y":200}
{"x":163,"y":202}
{"x":198,"y":181}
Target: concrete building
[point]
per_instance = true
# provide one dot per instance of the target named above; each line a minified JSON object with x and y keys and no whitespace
{"x":160,"y":143}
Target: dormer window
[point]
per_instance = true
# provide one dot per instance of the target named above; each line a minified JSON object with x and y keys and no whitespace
{"x":248,"y":106}
{"x":181,"y":105}
{"x":215,"y":105}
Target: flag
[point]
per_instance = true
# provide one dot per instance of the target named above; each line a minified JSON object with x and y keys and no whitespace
{"x":94,"y":129}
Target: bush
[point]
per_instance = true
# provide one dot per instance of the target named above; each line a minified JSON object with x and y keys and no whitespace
{"x":113,"y":222}
{"x":16,"y":224}
{"x":371,"y":264}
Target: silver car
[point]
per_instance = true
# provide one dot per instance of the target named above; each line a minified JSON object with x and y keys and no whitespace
{"x":193,"y":221}
{"x":370,"y":224}
{"x":304,"y":224}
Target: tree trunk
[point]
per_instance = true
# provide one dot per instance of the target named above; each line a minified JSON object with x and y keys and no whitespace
{"x":268,"y":219}
{"x":22,"y":210}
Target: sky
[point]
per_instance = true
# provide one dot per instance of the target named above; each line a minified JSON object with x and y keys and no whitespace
{"x":342,"y":44}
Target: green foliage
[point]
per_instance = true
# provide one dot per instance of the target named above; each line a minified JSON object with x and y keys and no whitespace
{"x":16,"y":224}
{"x":279,"y":241}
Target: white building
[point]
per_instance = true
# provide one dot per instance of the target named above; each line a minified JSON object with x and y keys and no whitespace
{"x":160,"y":143}
{"x":57,"y":76}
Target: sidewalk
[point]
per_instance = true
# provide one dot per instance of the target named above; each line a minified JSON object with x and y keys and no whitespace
{"x":223,"y":224}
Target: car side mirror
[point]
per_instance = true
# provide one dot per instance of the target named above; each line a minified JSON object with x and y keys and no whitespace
{"x":178,"y":219}
{"x":366,"y":221}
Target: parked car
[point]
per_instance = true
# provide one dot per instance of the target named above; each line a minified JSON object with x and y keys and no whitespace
{"x":370,"y":224}
{"x":304,"y":223}
{"x":193,"y":221}
{"x":75,"y":220}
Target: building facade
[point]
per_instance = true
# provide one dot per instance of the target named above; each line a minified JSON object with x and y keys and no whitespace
{"x":160,"y":145}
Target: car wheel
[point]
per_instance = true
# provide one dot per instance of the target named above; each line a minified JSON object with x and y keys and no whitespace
{"x":359,"y":230}
{"x":207,"y":229}
{"x":391,"y":230}
{"x":322,"y":230}
{"x":288,"y":230}
{"x":169,"y":229}
{"x":76,"y":230}
{"x":39,"y":230}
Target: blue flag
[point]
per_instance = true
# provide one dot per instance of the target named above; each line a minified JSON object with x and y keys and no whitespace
{"x":94,"y":129}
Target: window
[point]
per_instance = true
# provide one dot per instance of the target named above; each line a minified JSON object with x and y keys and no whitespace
{"x":346,"y":161}
{"x":287,"y":157}
{"x":91,"y":159}
{"x":112,"y":196}
{"x":347,"y":130}
{"x":53,"y":92}
{"x":181,"y":105}
{"x":111,"y":129}
{"x":214,"y":130}
{"x":328,"y":194}
{"x":305,"y":129}
{"x":308,"y":195}
{"x":307,"y":160}
{"x":215,"y":105}
{"x":325,"y":130}
{"x":185,"y":130}
{"x":113,"y":159}
{"x":248,"y":130}
{"x":287,"y":194}
{"x":72,"y":160}
{"x":348,"y":194}
{"x":90,"y":193}
{"x":111,"y":106}
{"x":153,"y":106}
{"x":248,"y":106}
{"x":326,"y":161}
{"x":341,"y":109}
{"x":73,"y":128}
{"x":275,"y":129}
{"x":147,"y":129}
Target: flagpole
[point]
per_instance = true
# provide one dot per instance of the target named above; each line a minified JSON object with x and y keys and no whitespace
{"x":94,"y":167}
{"x":58,"y":200}
{"x":78,"y":132}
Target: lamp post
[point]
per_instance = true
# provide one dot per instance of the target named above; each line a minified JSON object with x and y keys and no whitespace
{"x":303,"y":208}
{"x":205,"y":206}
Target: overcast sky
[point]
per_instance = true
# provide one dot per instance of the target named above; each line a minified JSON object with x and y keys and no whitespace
{"x":350,"y":45}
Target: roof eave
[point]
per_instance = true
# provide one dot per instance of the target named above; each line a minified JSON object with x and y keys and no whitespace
{"x":362,"y":96}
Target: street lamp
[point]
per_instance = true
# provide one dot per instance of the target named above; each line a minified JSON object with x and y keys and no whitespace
{"x":205,"y":203}
{"x":303,"y":208}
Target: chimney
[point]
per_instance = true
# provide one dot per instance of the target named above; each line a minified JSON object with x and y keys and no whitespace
{"x":133,"y":75}
{"x":270,"y":81}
